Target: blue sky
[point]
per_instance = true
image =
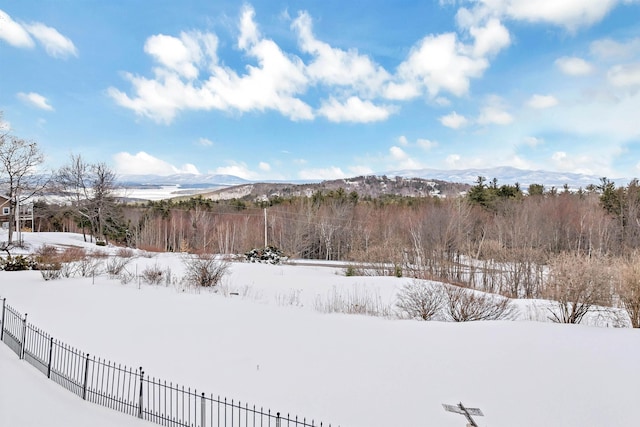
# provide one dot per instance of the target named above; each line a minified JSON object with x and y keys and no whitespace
{"x":306,"y":89}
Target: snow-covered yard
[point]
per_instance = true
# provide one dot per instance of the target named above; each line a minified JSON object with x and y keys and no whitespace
{"x":269,"y":345}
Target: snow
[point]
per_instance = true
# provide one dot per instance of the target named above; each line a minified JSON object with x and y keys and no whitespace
{"x":269,"y":346}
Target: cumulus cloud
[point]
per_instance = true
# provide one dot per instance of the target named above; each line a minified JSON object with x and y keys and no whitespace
{"x":402,"y":159}
{"x":532,"y":141}
{"x":185,"y":54}
{"x":494,"y":114}
{"x":570,"y":14}
{"x":610,"y":49}
{"x":354,"y":110}
{"x":402,"y":140}
{"x":574,"y":66}
{"x":322,"y":174}
{"x":239,"y":169}
{"x":454,"y":120}
{"x":625,"y":76}
{"x":541,"y":102}
{"x":337,"y":67}
{"x":143,"y":163}
{"x":35,"y":100}
{"x":54,"y":43}
{"x":205,"y":142}
{"x":426,"y":144}
{"x":21,"y":36}
{"x":13,"y":33}
{"x":264,"y":166}
{"x":360,"y":170}
{"x":490,"y":38}
{"x":272,"y":84}
{"x":441,"y":63}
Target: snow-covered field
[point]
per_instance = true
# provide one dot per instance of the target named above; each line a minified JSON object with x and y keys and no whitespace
{"x":269,"y":346}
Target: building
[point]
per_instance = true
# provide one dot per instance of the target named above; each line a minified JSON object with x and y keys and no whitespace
{"x":26,"y":214}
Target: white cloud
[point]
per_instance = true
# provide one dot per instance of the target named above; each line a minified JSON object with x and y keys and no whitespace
{"x":574,"y":66}
{"x":441,"y":63}
{"x":532,"y":141}
{"x":35,"y":100}
{"x":360,"y":170}
{"x":354,"y":110}
{"x":271,"y":85}
{"x":494,"y":115}
{"x":402,"y":159}
{"x":570,"y":14}
{"x":239,"y":169}
{"x":490,"y":39}
{"x":426,"y":144}
{"x":610,"y":49}
{"x":205,"y":142}
{"x":13,"y":33}
{"x":625,"y":75}
{"x":322,"y":174}
{"x":337,"y":67}
{"x":577,"y":164}
{"x":402,"y":140}
{"x":264,"y":166}
{"x":453,"y":160}
{"x":453,"y":120}
{"x":183,"y":55}
{"x":540,"y":102}
{"x":54,"y":43}
{"x":143,"y":163}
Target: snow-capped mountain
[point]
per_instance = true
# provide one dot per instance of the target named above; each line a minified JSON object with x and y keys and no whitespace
{"x":508,"y":175}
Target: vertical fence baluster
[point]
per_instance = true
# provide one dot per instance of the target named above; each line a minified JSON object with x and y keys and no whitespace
{"x":86,"y":377}
{"x":203,"y":411}
{"x":24,"y":335}
{"x":4,"y":304}
{"x":140,"y":396}
{"x":50,"y":357}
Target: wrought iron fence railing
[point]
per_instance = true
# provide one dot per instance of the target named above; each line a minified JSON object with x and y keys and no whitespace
{"x":130,"y":390}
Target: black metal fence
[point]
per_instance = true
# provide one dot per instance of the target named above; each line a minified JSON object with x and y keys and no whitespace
{"x":129,"y":390}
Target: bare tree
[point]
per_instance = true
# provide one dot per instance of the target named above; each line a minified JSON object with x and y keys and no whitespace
{"x":90,"y":190}
{"x":578,"y":283}
{"x":19,"y":160}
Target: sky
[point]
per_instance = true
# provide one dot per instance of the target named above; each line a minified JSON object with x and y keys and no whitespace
{"x":308,"y":90}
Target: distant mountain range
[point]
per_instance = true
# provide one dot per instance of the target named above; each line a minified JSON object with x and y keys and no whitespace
{"x":504,"y":175}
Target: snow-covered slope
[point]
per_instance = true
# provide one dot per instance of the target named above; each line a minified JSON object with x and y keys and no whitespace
{"x":269,"y":346}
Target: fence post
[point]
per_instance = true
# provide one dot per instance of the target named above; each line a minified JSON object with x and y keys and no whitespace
{"x":277,"y":419}
{"x":140,"y":397}
{"x":24,"y":335}
{"x":86,"y":376}
{"x":203,"y":411}
{"x":4,"y":303}
{"x":50,"y":357}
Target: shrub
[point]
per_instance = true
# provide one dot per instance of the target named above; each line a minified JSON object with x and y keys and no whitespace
{"x":204,"y":270}
{"x":269,"y":255}
{"x":17,"y":263}
{"x":154,"y":275}
{"x":125,"y":253}
{"x":116,"y":265}
{"x":420,"y":300}
{"x":466,"y":305}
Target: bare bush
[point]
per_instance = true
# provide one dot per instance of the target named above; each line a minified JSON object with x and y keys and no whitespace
{"x":51,"y":274}
{"x":359,"y":300}
{"x":156,"y":275}
{"x":72,"y":254}
{"x":578,"y":284}
{"x":419,"y":300}
{"x":204,"y":270}
{"x":125,"y":253}
{"x":116,"y":265}
{"x":629,"y":288}
{"x":88,"y":266}
{"x":466,"y":305}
